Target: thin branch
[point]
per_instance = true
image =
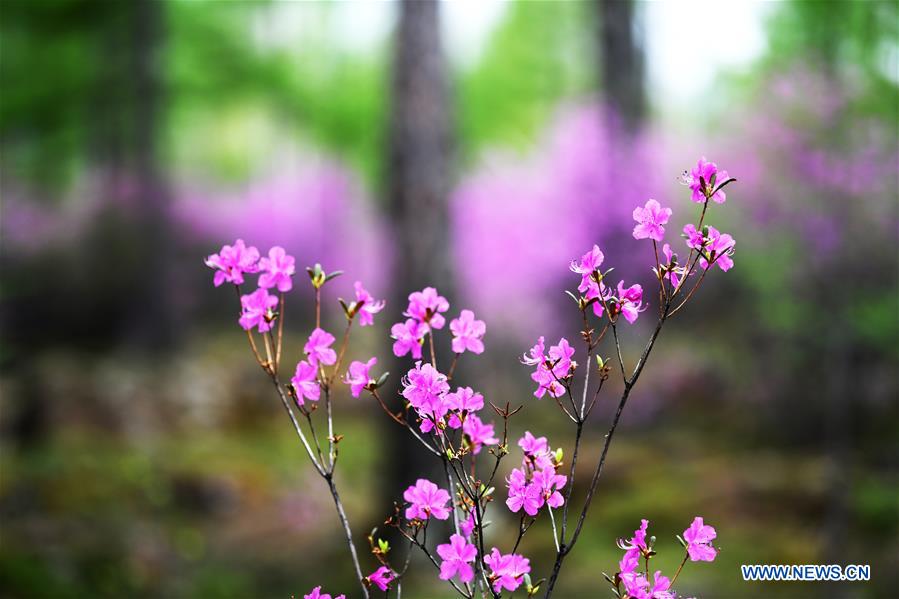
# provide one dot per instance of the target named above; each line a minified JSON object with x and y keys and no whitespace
{"x":329,"y":477}
{"x":280,"y":334}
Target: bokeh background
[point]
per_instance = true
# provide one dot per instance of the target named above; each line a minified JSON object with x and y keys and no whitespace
{"x":478,"y":146}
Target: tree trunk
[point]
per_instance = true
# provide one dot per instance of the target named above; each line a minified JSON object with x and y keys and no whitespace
{"x":418,"y":186}
{"x":154,"y":324}
{"x":622,"y":62}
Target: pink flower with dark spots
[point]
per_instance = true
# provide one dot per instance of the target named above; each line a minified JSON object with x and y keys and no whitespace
{"x":457,"y":557}
{"x":426,"y":307}
{"x":427,"y":500}
{"x":650,"y":219}
{"x":382,"y":577}
{"x":506,"y":571}
{"x":408,"y":337}
{"x":358,"y":377}
{"x":257,"y":310}
{"x":304,"y":382}
{"x":719,"y":249}
{"x":368,"y":306}
{"x":468,"y":333}
{"x":478,"y":433}
{"x":318,"y":348}
{"x":233,"y":262}
{"x":277,"y":270}
{"x":699,"y":539}
{"x":703,"y":179}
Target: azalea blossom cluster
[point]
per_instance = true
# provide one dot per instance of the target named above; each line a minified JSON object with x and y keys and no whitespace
{"x":536,"y":483}
{"x":632,"y":579}
{"x":450,"y":421}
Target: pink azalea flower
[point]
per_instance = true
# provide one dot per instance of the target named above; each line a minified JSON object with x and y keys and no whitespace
{"x":637,"y":544}
{"x":708,"y":173}
{"x":457,"y":557}
{"x":535,"y":355}
{"x":629,"y":301}
{"x":478,"y":433}
{"x":629,"y":563}
{"x":591,"y":290}
{"x":318,"y":348}
{"x":719,"y":249}
{"x":468,"y":525}
{"x":589,"y":262}
{"x":305,"y":383}
{"x":425,"y":388}
{"x":549,"y":483}
{"x":637,"y":587}
{"x":523,"y":495}
{"x":277,"y":270}
{"x":432,"y":414}
{"x":695,"y":238}
{"x":537,"y":453}
{"x":382,"y":577}
{"x":257,"y":310}
{"x":506,"y":571}
{"x":468,"y":333}
{"x":463,"y":401}
{"x":426,"y":306}
{"x":368,"y":306}
{"x":317,"y":594}
{"x":660,"y":586}
{"x":426,"y":500}
{"x":408,"y":337}
{"x":650,"y":219}
{"x":699,"y":539}
{"x":424,"y":385}
{"x":232,"y":262}
{"x":357,"y":377}
{"x":559,"y":357}
{"x":546,"y":383}
{"x":531,"y":445}
{"x":671,"y":271}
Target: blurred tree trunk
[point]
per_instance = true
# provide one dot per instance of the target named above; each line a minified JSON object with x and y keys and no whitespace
{"x":154,"y":323}
{"x":622,"y":61}
{"x":418,"y":186}
{"x":155,"y":326}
